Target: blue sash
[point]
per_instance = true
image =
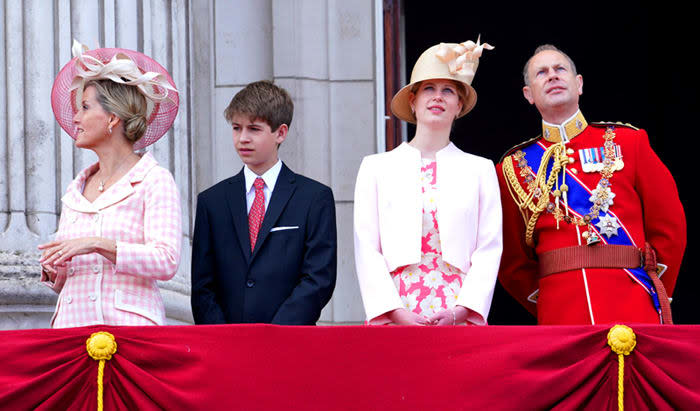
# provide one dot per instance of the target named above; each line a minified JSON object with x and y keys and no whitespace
{"x":578,"y":199}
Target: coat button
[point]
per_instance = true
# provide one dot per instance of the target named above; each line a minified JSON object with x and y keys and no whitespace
{"x":250,"y":283}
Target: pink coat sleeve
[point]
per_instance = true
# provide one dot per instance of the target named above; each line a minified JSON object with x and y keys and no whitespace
{"x":159,"y":255}
{"x":57,"y":281}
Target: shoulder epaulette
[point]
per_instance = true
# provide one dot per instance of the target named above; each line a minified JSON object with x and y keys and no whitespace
{"x":518,"y":146}
{"x":613,"y":123}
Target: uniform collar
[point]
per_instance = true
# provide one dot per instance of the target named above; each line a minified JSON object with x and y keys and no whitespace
{"x":565,"y":131}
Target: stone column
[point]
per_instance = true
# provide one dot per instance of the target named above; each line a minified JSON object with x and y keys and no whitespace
{"x":324,"y":55}
{"x":352,"y":119}
{"x":4,"y":175}
{"x":18,"y":299}
{"x":242,"y":54}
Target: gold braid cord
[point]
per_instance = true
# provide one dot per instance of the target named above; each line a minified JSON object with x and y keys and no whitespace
{"x":536,"y":199}
{"x":101,"y":346}
{"x":622,"y":341}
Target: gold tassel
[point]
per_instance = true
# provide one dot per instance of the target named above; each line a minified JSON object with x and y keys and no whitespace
{"x":622,"y":341}
{"x":101,"y":346}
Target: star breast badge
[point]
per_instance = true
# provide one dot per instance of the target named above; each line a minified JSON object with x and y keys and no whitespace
{"x":608,"y":225}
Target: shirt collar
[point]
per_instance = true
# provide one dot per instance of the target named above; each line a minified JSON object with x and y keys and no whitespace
{"x":565,"y":131}
{"x":270,"y":176}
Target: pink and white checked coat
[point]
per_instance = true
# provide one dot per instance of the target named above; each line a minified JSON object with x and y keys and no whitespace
{"x":142,"y":213}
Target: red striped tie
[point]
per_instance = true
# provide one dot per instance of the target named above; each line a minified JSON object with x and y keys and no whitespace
{"x":257,"y":212}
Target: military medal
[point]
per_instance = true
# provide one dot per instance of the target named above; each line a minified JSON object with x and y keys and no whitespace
{"x":606,"y":160}
{"x":594,"y":159}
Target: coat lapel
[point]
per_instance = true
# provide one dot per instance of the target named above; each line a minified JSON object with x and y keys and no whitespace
{"x":236,"y":198}
{"x":284,"y":188}
{"x":74,"y":198}
{"x":125,"y":186}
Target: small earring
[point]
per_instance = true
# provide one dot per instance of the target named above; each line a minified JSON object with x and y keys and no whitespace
{"x":109,"y":128}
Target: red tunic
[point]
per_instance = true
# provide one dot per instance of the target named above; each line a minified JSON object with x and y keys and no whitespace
{"x":647,"y":205}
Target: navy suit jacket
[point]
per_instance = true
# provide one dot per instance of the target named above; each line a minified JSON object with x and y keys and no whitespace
{"x":290,"y":275}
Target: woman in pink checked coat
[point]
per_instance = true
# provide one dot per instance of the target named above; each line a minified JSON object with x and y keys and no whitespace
{"x":120,"y":225}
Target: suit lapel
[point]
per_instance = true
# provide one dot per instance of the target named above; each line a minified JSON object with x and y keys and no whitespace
{"x":284,"y":188}
{"x":236,"y":198}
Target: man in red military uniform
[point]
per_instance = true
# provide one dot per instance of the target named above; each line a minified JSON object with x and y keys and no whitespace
{"x":593,"y":229}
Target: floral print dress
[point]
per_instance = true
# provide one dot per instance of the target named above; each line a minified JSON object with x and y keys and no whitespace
{"x":431,"y":285}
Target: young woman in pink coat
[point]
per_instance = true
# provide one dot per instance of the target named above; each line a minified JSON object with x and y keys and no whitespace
{"x":427,"y":217}
{"x":120,"y":225}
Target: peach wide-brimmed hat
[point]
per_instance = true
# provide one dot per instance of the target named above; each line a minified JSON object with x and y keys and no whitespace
{"x":449,"y":61}
{"x":121,"y":66}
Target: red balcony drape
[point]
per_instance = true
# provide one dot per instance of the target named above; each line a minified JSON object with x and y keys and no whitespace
{"x":272,"y":367}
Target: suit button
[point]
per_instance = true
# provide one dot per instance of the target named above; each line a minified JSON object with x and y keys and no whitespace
{"x":250,"y":283}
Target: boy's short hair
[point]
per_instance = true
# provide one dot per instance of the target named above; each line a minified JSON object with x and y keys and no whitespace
{"x":262,"y":100}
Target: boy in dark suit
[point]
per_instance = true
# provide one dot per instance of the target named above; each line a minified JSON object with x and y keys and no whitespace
{"x":264,"y":245}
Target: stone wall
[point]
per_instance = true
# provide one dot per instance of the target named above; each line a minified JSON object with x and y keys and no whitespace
{"x":321,"y":51}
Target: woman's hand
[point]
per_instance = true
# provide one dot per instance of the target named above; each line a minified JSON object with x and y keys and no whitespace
{"x":49,"y":272}
{"x":56,"y":253}
{"x":401,"y":316}
{"x":454,"y":316}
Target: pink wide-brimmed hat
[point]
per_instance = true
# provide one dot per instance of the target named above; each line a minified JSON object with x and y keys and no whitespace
{"x":121,"y":66}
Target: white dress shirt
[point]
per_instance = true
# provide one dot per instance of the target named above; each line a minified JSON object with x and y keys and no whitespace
{"x":270,"y":178}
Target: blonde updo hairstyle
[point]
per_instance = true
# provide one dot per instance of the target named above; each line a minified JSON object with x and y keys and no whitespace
{"x":126,"y":102}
